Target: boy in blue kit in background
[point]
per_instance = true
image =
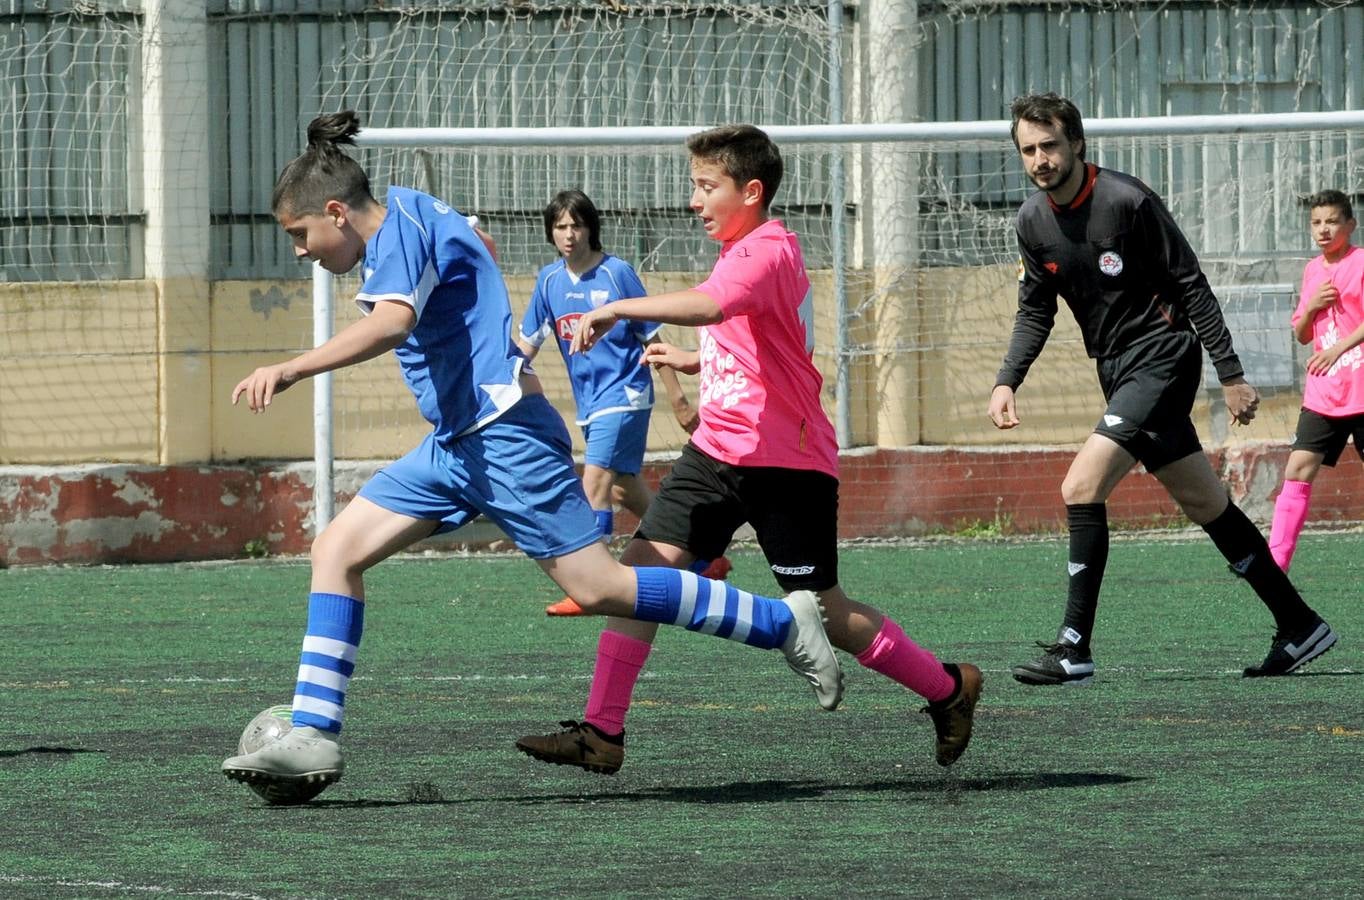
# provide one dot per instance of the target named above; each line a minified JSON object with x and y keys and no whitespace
{"x":614,"y":393}
{"x":434,"y":296}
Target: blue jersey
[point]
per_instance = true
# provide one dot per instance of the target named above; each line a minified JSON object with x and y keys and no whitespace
{"x":608,"y":378}
{"x":458,"y":360}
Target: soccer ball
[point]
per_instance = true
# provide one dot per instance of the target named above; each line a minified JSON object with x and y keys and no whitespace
{"x":264,"y":728}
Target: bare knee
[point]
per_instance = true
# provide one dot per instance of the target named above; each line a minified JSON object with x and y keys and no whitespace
{"x":608,"y":589}
{"x":331,"y":554}
{"x":1081,"y":488}
{"x":1302,"y":466}
{"x":1203,"y":507}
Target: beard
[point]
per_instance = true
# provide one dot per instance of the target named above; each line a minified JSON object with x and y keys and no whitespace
{"x":1062,"y":175}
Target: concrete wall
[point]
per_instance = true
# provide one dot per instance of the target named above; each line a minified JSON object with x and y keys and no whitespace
{"x":106,"y":514}
{"x":87,"y":376}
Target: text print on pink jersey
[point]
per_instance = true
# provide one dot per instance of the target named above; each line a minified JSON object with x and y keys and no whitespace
{"x":724,"y":382}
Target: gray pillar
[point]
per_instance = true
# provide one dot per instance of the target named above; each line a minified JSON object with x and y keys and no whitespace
{"x":175,"y":186}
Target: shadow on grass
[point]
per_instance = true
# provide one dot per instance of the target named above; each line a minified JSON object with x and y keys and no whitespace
{"x":774,"y":791}
{"x":45,"y":751}
{"x":1276,"y":679}
{"x":777,"y":791}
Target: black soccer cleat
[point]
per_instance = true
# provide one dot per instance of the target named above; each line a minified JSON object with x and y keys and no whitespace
{"x":1290,"y":652}
{"x":1060,"y":664}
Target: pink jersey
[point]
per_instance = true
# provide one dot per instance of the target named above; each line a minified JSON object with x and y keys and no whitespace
{"x":1339,"y":392}
{"x":759,"y":403}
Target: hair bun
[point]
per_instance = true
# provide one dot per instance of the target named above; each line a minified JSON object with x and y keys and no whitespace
{"x":331,"y":129}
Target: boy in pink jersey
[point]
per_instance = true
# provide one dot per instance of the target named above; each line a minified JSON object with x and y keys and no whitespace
{"x":1330,"y":316}
{"x":764,"y":452}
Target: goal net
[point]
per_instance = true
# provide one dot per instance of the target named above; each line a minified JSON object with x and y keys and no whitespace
{"x":916,"y":298}
{"x":909,"y":241}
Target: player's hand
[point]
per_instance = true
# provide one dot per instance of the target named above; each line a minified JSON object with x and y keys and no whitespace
{"x":1242,"y":401}
{"x":659,"y":354}
{"x":591,"y":327}
{"x":1320,"y":363}
{"x":261,"y":386}
{"x":1003,"y":413}
{"x":1327,"y":294}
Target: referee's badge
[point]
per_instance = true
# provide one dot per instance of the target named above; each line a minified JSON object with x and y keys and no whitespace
{"x":1022,"y":274}
{"x":1110,"y":263}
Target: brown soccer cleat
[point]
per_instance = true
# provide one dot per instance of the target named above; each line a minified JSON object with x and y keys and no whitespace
{"x":953,"y":717}
{"x":579,"y":744}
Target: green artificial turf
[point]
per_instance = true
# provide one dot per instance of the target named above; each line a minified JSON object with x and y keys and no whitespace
{"x":123,"y":688}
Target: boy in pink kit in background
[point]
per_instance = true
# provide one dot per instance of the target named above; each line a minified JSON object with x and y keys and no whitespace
{"x":764,"y":452}
{"x":1330,"y":317}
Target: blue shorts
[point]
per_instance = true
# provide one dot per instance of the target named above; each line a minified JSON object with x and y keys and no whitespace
{"x":517,"y":470}
{"x":617,"y":441}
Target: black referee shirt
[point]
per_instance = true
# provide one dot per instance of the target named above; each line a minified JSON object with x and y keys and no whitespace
{"x":1124,"y":268}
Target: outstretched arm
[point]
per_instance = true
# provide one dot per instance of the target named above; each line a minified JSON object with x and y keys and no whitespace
{"x":677,"y":308}
{"x":383,"y":329}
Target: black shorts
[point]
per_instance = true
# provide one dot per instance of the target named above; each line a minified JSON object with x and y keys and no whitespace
{"x":1327,"y":435}
{"x":703,"y":501}
{"x":1150,"y":390}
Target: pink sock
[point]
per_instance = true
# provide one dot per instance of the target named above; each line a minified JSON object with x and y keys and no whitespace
{"x":898,"y":658}
{"x":619,"y":661}
{"x":1290,"y":512}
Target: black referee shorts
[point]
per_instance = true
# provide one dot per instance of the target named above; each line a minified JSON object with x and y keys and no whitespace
{"x":1327,"y":434}
{"x":703,"y":501}
{"x":1150,"y":389}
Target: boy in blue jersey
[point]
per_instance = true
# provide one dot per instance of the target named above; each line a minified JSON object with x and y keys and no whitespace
{"x":613,"y":392}
{"x":433,"y":295}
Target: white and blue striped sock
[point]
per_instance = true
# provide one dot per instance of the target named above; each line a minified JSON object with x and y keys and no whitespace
{"x":335,"y":622}
{"x":674,"y":597}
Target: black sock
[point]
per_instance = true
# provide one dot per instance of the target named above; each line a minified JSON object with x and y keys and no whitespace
{"x":1088,"y":557}
{"x":1246,"y":550}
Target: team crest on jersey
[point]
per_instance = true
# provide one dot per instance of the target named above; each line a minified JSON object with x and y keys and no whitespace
{"x":440,"y":207}
{"x":564,"y":326}
{"x":1110,"y":263}
{"x":598,"y":298}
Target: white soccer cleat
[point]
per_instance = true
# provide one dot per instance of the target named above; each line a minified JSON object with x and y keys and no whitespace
{"x":808,"y":651}
{"x":301,"y":756}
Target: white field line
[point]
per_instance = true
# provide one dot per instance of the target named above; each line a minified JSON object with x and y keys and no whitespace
{"x":197,"y":679}
{"x":121,"y":887}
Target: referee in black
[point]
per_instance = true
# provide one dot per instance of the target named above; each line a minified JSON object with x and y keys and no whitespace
{"x":1106,"y":243}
